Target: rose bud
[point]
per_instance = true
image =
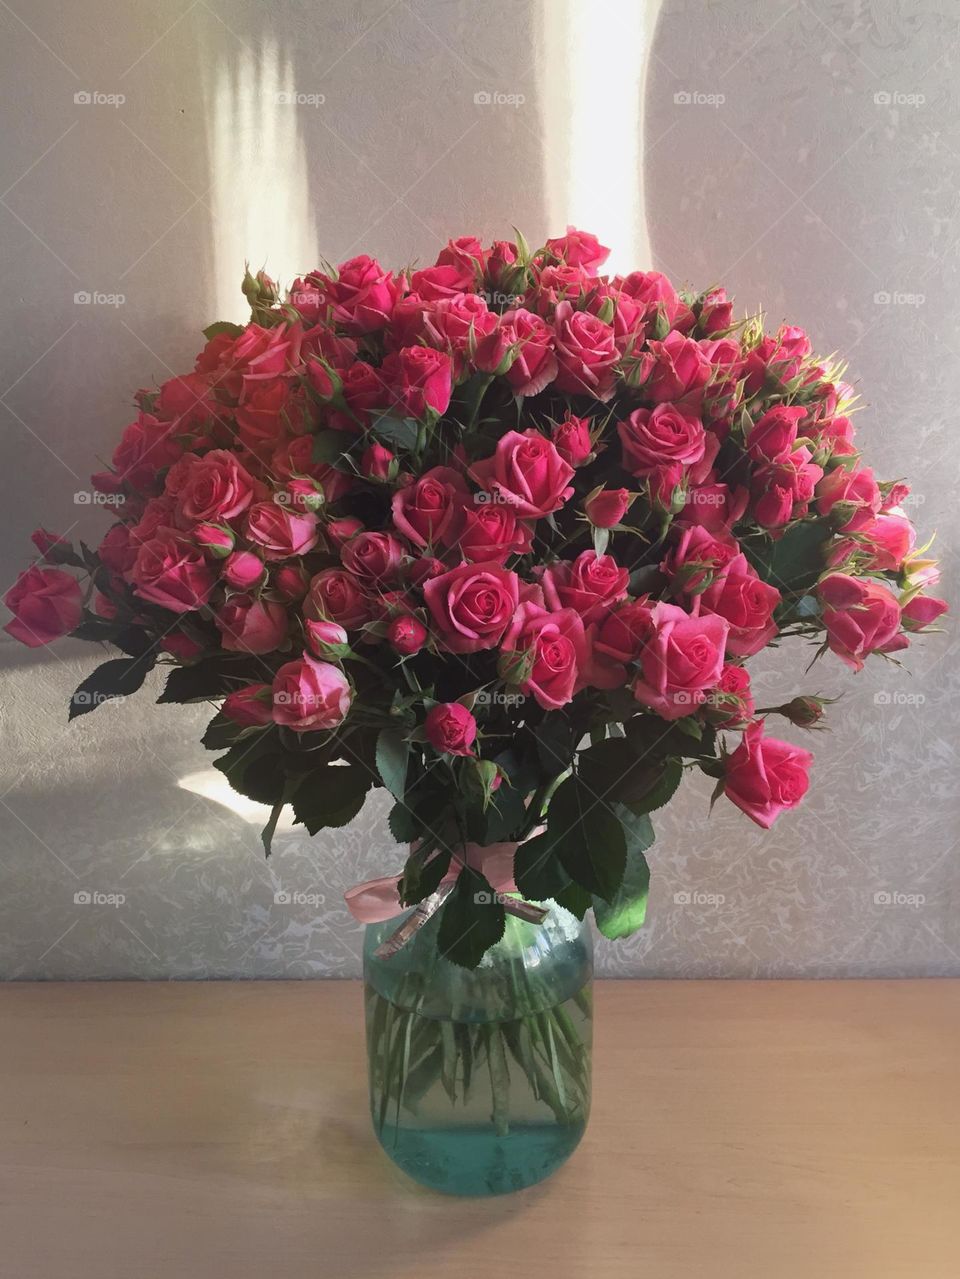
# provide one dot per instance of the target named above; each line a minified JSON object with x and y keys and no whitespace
{"x":50,"y":545}
{"x":216,"y":539}
{"x":805,"y":711}
{"x":407,"y":635}
{"x":378,"y":463}
{"x":243,"y":570}
{"x":327,"y":640}
{"x":249,"y":707}
{"x":304,"y":494}
{"x":606,"y":507}
{"x":451,"y":729}
{"x":731,"y":703}
{"x":922,"y":611}
{"x":290,"y":583}
{"x":341,"y":530}
{"x":572,"y":440}
{"x":323,"y":378}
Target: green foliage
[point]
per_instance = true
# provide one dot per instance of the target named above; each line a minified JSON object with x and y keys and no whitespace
{"x":471,"y":920}
{"x":588,"y":838}
{"x":331,"y":796}
{"x":625,"y":912}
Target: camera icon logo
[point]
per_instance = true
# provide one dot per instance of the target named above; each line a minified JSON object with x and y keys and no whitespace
{"x":682,"y":99}
{"x":281,"y":897}
{"x":882,"y":298}
{"x":83,"y":98}
{"x":682,"y":898}
{"x":483,"y":98}
{"x":882,"y":698}
{"x":882,"y":99}
{"x":82,"y":898}
{"x":83,"y":298}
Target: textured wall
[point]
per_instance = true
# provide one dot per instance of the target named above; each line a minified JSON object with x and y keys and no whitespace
{"x":814,"y":169}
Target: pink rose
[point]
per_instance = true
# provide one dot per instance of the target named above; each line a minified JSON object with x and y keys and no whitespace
{"x":572,"y":440}
{"x":444,"y":281}
{"x":697,"y":558}
{"x":172,"y":572}
{"x":289,"y":582}
{"x":716,"y":312}
{"x":465,"y":252}
{"x":364,"y":392}
{"x":147,"y":447}
{"x":590,"y":585}
{"x":680,"y":370}
{"x":472,"y":605}
{"x":524,"y":343}
{"x":282,"y":532}
{"x":362,"y":295}
{"x":783,"y":489}
{"x":654,"y":292}
{"x":250,"y":707}
{"x":527,"y":473}
{"x":860,"y":616}
{"x":491,"y":532}
{"x":747,"y":603}
{"x":652,"y":438}
{"x":46,"y":603}
{"x":587,"y":353}
{"x":407,"y":635}
{"x":557,"y":652}
{"x":309,"y":695}
{"x":373,"y":558}
{"x":882,"y":544}
{"x":243,"y":570}
{"x":457,"y":324}
{"x":451,"y":729}
{"x":607,"y":508}
{"x":338,"y":597}
{"x":764,"y":776}
{"x":217,"y":488}
{"x":579,"y":249}
{"x":624,"y":631}
{"x":430,"y":510}
{"x":730,"y":703}
{"x":247,"y":625}
{"x":776,"y":358}
{"x":714,"y":506}
{"x":682,"y":658}
{"x":420,"y":380}
{"x":214,"y":539}
{"x":773,"y":435}
{"x":855,"y":493}
{"x":49,"y":544}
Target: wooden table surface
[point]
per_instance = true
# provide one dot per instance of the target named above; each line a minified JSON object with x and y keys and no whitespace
{"x":740,"y":1129}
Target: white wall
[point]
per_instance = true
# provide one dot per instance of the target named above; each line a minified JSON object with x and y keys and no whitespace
{"x":799,"y":191}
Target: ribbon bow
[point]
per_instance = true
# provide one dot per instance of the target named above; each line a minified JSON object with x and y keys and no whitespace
{"x":377,"y":900}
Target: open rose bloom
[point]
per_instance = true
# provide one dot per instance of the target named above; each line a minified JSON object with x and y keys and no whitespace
{"x":498,"y":535}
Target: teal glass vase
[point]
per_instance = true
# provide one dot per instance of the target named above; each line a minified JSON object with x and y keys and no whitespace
{"x":480,"y":1078}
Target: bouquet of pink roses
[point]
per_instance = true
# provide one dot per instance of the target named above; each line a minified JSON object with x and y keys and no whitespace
{"x":498,"y":535}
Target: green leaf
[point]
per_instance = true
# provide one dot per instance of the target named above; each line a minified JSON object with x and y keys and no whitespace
{"x":471,"y":920}
{"x":268,"y":832}
{"x":117,"y":678}
{"x":222,"y":326}
{"x":400,"y":432}
{"x":652,"y":740}
{"x":221,"y":733}
{"x":556,"y":743}
{"x":574,"y":899}
{"x":331,"y":796}
{"x":254,"y":767}
{"x":422,"y":872}
{"x":328,"y":445}
{"x":794,"y":561}
{"x":393,"y":754}
{"x":612,"y":770}
{"x":197,"y":683}
{"x":537,"y":869}
{"x":403,"y":825}
{"x":588,"y":838}
{"x":625,"y":913}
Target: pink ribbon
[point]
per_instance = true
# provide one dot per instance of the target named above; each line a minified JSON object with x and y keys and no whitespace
{"x":378,"y":899}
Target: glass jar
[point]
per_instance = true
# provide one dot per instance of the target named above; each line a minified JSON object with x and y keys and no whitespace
{"x":480,"y":1078}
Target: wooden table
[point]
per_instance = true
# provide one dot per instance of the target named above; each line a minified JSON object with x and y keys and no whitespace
{"x":740,"y":1130}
